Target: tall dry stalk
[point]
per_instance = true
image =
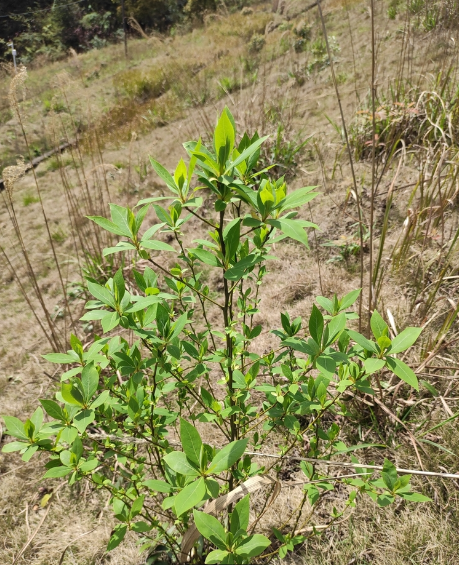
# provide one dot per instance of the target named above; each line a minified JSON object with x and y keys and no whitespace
{"x":351,"y":160}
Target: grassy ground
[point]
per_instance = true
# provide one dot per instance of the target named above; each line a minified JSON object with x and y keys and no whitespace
{"x":279,"y":82}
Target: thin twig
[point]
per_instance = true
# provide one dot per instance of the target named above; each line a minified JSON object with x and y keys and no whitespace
{"x":29,"y":541}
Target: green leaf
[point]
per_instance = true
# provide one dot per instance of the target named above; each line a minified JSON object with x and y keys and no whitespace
{"x":378,"y":325}
{"x":300,"y":345}
{"x":141,"y":527}
{"x":298,"y":198}
{"x":334,"y":328}
{"x":326,"y":365}
{"x":164,"y":175}
{"x":71,"y":395}
{"x":224,"y":138}
{"x":83,"y":419}
{"x":240,"y":515}
{"x":363,"y":341}
{"x":89,"y":466}
{"x":89,"y":381}
{"x":227,"y":456}
{"x":14,"y":446}
{"x":231,"y":237}
{"x":326,"y":303}
{"x":61,"y":358}
{"x":117,"y":536}
{"x":389,"y":474}
{"x":101,"y":399}
{"x":247,"y":152}
{"x":402,"y":371}
{"x":190,"y":496}
{"x":349,"y":299}
{"x":121,"y":246}
{"x":15,"y":427}
{"x":316,"y":325}
{"x":179,"y":463}
{"x":157,"y":486}
{"x":217,"y":556}
{"x":137,"y":506}
{"x":239,"y":380}
{"x":191,"y":441}
{"x":210,"y":528}
{"x":404,"y":340}
{"x":108,"y":225}
{"x":206,"y":257}
{"x":372,"y":365}
{"x":120,"y":218}
{"x":433,"y":391}
{"x":242,"y":267}
{"x":156,"y":245}
{"x":415,"y":497}
{"x":292,"y":229}
{"x":102,"y":294}
{"x":110,"y":321}
{"x":253,"y":545}
{"x":56,"y":472}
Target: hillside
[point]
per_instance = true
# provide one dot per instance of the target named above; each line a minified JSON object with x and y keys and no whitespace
{"x":273,"y":72}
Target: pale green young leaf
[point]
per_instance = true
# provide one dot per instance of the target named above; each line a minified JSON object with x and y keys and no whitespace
{"x":334,"y":328}
{"x":224,"y":137}
{"x":156,"y":245}
{"x":247,"y":153}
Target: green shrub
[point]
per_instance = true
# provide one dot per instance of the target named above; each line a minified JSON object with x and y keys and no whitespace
{"x":193,"y":370}
{"x":256,"y":43}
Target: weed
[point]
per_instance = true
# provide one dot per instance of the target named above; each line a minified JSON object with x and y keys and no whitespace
{"x":29,"y":198}
{"x":348,"y":247}
{"x":59,"y":236}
